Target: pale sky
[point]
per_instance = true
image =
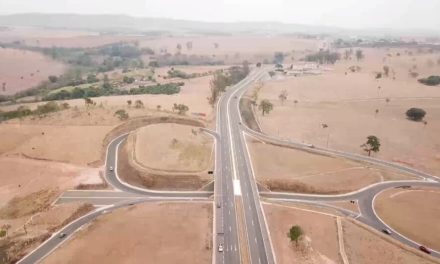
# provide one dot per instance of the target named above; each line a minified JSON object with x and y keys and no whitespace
{"x":398,"y":14}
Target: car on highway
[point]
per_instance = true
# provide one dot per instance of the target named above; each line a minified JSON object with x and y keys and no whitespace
{"x":425,"y":249}
{"x":220,"y":247}
{"x":219,"y":205}
{"x":387,"y":231}
{"x":110,"y":168}
{"x":62,"y":235}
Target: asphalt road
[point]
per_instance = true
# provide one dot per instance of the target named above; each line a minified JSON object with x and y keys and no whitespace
{"x":126,"y":196}
{"x":114,"y":180}
{"x":237,"y":183}
{"x":364,"y":197}
{"x":55,"y":241}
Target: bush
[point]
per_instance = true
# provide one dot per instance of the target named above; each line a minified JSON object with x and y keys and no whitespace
{"x":431,"y":80}
{"x":128,"y":79}
{"x":2,"y":233}
{"x":121,"y":114}
{"x":53,"y":79}
{"x":91,"y":78}
{"x":169,"y":88}
{"x":47,"y":108}
{"x":415,"y":114}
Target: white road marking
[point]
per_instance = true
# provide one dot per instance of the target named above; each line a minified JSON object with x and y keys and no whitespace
{"x":237,"y":187}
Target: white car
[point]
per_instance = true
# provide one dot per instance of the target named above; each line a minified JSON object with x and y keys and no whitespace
{"x":220,"y":247}
{"x":110,"y":169}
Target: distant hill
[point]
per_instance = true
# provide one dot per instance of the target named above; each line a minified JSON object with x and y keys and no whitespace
{"x":143,"y":25}
{"x":122,"y":23}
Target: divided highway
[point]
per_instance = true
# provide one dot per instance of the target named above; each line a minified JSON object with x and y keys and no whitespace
{"x":237,"y":207}
{"x":237,"y":190}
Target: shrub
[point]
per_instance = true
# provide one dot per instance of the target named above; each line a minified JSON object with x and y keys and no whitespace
{"x":431,"y":80}
{"x":121,"y":114}
{"x":2,"y":233}
{"x":128,"y":79}
{"x":415,"y":114}
{"x":53,"y":79}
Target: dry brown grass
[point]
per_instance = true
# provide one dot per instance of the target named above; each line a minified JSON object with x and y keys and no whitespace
{"x":287,"y":169}
{"x":132,"y":174}
{"x":145,"y":233}
{"x":365,"y":246}
{"x":179,"y":148}
{"x":413,"y":213}
{"x":29,"y":204}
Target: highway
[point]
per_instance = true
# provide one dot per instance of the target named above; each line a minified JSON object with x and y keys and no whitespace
{"x":237,"y":205}
{"x":238,"y":184}
{"x":125,"y":195}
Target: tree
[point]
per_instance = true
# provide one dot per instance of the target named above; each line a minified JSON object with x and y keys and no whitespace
{"x":181,"y":108}
{"x":265,"y":106}
{"x":4,"y":87}
{"x":88,"y":102}
{"x":91,"y":78}
{"x":121,"y":114}
{"x":386,"y":70}
{"x":53,"y":79}
{"x":158,"y":107}
{"x":179,"y":47}
{"x":283,"y":96}
{"x":372,"y":144}
{"x":129,"y":102}
{"x":138,"y":104}
{"x":431,"y":80}
{"x":189,"y":45}
{"x":258,"y":64}
{"x":415,"y":114}
{"x":295,"y":233}
{"x":347,"y":54}
{"x":278,"y":58}
{"x":359,"y":54}
{"x":127,"y":79}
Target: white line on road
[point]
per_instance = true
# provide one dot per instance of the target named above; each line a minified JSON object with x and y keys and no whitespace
{"x":237,"y":188}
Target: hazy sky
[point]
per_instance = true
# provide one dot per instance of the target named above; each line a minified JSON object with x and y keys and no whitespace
{"x":400,"y":14}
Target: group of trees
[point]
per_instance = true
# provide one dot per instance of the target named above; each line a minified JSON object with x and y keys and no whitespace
{"x":323,"y":57}
{"x":40,"y":111}
{"x":107,"y":89}
{"x":223,"y":79}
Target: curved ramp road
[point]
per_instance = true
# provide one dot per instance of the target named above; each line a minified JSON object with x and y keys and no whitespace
{"x":114,"y":180}
{"x":56,"y":240}
{"x":237,"y":199}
